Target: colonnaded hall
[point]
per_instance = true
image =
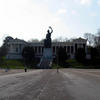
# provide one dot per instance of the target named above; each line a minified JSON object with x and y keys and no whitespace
{"x":16,"y":47}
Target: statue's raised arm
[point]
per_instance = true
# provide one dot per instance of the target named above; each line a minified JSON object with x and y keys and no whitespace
{"x":51,"y":29}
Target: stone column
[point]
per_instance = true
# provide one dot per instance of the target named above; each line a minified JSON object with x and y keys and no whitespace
{"x":66,"y":48}
{"x":74,"y":48}
{"x":41,"y":50}
{"x":69,"y":49}
{"x":10,"y":48}
{"x":37,"y":49}
{"x":55,"y":49}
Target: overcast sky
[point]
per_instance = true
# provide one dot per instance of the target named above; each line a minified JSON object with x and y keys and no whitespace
{"x":27,"y":19}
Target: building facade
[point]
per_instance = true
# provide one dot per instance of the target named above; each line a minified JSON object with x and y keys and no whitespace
{"x":16,"y":47}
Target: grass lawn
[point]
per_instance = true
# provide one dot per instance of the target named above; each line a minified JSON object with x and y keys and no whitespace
{"x":54,"y":66}
{"x":74,"y":64}
{"x":12,"y":64}
{"x":70,"y":63}
{"x":18,"y":64}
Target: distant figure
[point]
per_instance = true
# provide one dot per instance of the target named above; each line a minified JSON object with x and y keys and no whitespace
{"x":47,"y":41}
{"x":25,"y":69}
{"x":57,"y":69}
{"x":6,"y":70}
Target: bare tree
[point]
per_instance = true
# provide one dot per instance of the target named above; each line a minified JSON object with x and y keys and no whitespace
{"x":33,"y":40}
{"x":3,"y":50}
{"x":97,"y":39}
{"x":60,"y":39}
{"x":42,"y":40}
{"x":90,"y":37}
{"x":55,"y":40}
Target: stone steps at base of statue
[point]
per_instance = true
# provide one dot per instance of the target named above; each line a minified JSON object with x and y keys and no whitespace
{"x":45,"y":64}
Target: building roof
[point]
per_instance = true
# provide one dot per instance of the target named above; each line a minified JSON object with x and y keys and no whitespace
{"x":80,"y":40}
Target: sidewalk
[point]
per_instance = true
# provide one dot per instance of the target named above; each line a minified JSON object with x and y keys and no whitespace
{"x":11,"y":71}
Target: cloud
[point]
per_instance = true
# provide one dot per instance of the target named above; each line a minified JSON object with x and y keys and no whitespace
{"x":99,"y":2}
{"x":93,"y":14}
{"x":74,"y":12}
{"x":27,"y":19}
{"x":62,"y":11}
{"x":84,"y":2}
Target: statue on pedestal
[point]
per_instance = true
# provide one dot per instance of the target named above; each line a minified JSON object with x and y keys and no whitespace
{"x":47,"y":58}
{"x":47,"y":41}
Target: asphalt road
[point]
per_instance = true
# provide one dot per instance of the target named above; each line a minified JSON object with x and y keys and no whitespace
{"x":68,"y":84}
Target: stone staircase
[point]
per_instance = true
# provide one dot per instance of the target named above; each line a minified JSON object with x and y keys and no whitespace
{"x":45,"y":63}
{"x":46,"y":60}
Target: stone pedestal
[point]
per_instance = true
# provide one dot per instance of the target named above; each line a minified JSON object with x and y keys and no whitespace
{"x":46,"y":60}
{"x":47,"y":53}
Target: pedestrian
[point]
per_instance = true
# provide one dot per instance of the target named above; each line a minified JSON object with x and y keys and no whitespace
{"x":25,"y":69}
{"x":6,"y":70}
{"x":57,"y":69}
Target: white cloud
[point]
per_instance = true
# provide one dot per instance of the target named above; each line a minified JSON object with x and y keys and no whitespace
{"x":99,"y":2}
{"x":93,"y":14}
{"x":62,"y":11}
{"x":74,"y":12}
{"x":84,"y":2}
{"x":27,"y":19}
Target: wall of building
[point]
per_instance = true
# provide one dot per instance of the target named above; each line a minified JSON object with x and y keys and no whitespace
{"x":16,"y":47}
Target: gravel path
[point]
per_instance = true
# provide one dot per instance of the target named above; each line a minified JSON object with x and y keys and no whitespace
{"x":68,"y":84}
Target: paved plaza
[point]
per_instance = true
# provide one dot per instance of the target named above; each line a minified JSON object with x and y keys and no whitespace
{"x":67,"y":84}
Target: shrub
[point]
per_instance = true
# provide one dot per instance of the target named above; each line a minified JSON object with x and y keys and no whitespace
{"x":80,"y":55}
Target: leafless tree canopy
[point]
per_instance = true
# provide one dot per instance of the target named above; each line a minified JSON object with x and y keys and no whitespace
{"x":33,"y":40}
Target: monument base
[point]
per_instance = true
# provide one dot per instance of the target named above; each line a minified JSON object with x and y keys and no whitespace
{"x":47,"y":53}
{"x":46,"y":60}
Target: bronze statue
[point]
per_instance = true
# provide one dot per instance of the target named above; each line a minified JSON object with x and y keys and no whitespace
{"x":48,"y":36}
{"x":47,"y":41}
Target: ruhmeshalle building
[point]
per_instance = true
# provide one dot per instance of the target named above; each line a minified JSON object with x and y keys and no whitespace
{"x":16,"y":47}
